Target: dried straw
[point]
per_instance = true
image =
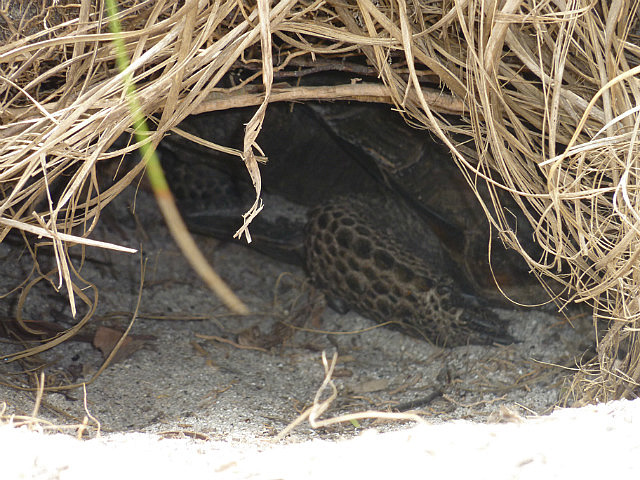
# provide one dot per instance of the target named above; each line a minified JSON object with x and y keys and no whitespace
{"x":547,"y":93}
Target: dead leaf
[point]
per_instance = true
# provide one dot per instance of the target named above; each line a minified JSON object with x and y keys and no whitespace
{"x":106,"y":339}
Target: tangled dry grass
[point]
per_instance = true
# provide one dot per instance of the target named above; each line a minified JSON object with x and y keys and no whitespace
{"x":535,"y":98}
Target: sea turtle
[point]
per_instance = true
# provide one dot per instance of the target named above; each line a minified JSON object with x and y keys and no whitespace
{"x":343,"y":198}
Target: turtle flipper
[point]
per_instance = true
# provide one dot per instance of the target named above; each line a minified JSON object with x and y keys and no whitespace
{"x":355,"y":250}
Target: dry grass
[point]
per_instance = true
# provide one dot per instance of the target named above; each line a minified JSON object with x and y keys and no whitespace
{"x":319,"y":407}
{"x":89,"y":423}
{"x":548,"y":97}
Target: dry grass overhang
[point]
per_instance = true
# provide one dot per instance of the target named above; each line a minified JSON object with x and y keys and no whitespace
{"x":546,"y":91}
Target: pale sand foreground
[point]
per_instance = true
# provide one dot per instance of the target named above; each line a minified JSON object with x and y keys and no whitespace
{"x":590,"y":442}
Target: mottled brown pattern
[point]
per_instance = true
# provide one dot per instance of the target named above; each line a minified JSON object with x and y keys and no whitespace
{"x":356,"y":253}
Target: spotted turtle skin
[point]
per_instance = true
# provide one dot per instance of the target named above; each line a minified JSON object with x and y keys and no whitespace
{"x":352,"y":256}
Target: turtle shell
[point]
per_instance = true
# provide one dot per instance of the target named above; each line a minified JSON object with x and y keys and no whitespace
{"x":422,"y":171}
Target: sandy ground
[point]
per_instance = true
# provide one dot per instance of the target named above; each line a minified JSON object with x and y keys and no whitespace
{"x":234,"y":383}
{"x":546,"y":447}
